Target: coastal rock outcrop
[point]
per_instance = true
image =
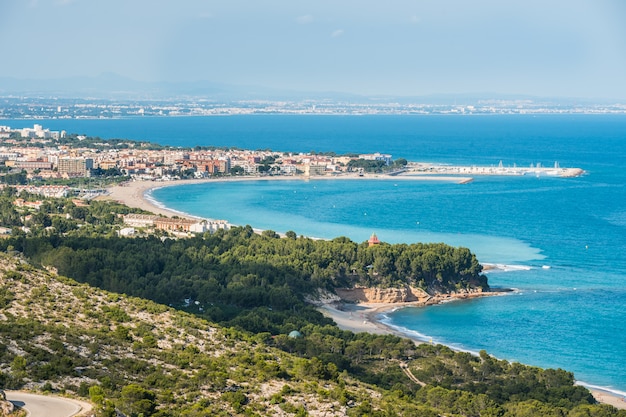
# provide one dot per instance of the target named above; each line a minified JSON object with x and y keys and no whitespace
{"x":403,"y":295}
{"x":383,"y":295}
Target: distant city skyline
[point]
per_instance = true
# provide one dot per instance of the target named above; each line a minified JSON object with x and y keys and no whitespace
{"x":559,"y":48}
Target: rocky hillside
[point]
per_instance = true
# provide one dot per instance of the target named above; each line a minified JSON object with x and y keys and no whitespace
{"x":141,"y":358}
{"x":60,"y":336}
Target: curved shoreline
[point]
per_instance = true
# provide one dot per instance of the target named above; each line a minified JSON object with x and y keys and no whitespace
{"x":133,"y":193}
{"x":362,"y":317}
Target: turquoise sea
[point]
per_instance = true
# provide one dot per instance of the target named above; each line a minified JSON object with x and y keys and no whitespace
{"x":562,"y":241}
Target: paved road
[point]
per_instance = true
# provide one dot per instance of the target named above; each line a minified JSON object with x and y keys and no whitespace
{"x":45,"y":406}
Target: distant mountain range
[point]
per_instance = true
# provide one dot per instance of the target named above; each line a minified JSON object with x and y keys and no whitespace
{"x":107,"y":85}
{"x":113,"y":86}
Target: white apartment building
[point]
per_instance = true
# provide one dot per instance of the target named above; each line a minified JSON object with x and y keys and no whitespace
{"x":377,"y":157}
{"x":37,"y":131}
{"x":288,"y":169}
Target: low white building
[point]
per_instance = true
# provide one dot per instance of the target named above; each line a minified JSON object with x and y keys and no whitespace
{"x":288,"y":169}
{"x":126,"y":232}
{"x":37,"y":131}
{"x":210,"y":226}
{"x":56,"y":191}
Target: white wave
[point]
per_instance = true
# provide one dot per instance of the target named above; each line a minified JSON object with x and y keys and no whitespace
{"x":600,"y":388}
{"x":148,"y":197}
{"x":506,"y":268}
{"x":411,"y":334}
{"x":420,"y":337}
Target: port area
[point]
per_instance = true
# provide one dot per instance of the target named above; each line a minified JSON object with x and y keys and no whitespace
{"x":422,"y":168}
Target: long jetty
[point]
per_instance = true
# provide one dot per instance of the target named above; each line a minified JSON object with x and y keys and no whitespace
{"x":538,"y":170}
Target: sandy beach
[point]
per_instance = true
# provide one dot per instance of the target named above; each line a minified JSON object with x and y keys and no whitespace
{"x":132,"y":194}
{"x":361,"y":317}
{"x":609,"y":398}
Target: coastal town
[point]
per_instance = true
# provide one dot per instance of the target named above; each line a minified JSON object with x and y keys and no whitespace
{"x":43,"y":107}
{"x":53,"y":164}
{"x":37,"y":152}
{"x":43,"y":155}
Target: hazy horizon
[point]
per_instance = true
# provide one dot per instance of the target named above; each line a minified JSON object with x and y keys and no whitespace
{"x":402,"y":48}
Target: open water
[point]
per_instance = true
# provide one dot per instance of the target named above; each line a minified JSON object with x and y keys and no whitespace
{"x":563,"y":240}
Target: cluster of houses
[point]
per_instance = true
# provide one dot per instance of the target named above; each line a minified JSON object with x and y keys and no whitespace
{"x":50,"y":161}
{"x":178,"y":226}
{"x":51,"y":191}
{"x":27,"y":208}
{"x":134,"y":220}
{"x":42,"y":158}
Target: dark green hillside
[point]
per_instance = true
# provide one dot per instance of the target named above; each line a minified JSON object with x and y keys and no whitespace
{"x":228,"y":274}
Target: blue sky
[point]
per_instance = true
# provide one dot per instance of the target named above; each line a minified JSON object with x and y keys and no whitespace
{"x":568,"y":48}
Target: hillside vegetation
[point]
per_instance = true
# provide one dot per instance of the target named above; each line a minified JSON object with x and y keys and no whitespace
{"x":230,"y":273}
{"x":236,"y":277}
{"x":144,"y":358}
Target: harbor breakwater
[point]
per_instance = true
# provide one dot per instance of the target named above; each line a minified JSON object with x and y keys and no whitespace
{"x":538,"y":170}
